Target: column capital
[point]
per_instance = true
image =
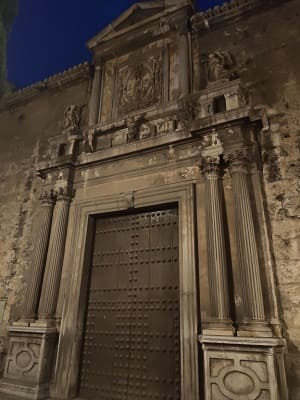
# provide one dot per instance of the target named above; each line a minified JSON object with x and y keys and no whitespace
{"x":48,"y":197}
{"x":238,"y":160}
{"x":64,"y":193}
{"x":210,"y":166}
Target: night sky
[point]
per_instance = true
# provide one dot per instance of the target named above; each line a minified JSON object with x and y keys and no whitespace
{"x":49,"y":36}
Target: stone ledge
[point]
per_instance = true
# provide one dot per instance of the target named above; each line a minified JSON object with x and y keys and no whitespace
{"x":241,"y":341}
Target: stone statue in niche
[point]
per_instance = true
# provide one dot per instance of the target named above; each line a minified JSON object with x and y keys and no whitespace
{"x":72,"y":117}
{"x":220,"y":66}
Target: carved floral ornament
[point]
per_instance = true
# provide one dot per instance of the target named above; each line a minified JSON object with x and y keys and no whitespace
{"x":237,"y":160}
{"x":237,"y":156}
{"x":210,"y":165}
{"x":49,"y":197}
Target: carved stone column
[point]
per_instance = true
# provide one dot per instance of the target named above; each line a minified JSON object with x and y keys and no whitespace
{"x":216,"y":248}
{"x":254,"y":317}
{"x":39,"y":258}
{"x":95,"y":96}
{"x":51,"y":282}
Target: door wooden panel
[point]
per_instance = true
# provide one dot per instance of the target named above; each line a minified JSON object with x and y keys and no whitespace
{"x":131,"y":345}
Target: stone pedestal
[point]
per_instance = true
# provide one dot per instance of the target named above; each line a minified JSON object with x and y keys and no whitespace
{"x":244,"y":369}
{"x":29,"y":361}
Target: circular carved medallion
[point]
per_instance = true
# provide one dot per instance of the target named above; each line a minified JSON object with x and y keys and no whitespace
{"x":23,"y":359}
{"x":239,"y":383}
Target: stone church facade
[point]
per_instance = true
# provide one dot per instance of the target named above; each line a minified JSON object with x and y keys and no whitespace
{"x":149,"y":221}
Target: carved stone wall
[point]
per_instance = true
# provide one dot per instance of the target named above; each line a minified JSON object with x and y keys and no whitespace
{"x":244,"y":373}
{"x":25,"y":130}
{"x":267,"y":62}
{"x":139,"y":86}
{"x":142,"y":140}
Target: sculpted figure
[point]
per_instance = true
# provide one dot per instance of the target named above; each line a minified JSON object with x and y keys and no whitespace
{"x":71,"y":118}
{"x":145,"y":131}
{"x":220,"y":64}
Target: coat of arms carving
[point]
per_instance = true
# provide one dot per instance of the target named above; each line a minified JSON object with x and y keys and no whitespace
{"x":140,"y":86}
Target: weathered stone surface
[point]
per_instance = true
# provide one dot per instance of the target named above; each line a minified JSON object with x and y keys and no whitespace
{"x":264,"y":46}
{"x":24,"y":134}
{"x":133,"y":134}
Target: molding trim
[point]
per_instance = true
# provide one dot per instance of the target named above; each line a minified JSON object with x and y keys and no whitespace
{"x":80,"y":225}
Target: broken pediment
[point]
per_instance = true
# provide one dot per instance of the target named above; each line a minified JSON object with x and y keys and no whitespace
{"x":136,"y":15}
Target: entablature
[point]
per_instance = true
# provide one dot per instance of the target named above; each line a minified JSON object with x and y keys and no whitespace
{"x":180,"y":133}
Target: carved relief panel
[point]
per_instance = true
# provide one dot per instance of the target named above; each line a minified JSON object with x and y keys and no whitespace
{"x":139,"y":85}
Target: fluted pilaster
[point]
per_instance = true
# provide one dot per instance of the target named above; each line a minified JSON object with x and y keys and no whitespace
{"x":246,"y":240}
{"x":216,"y":247}
{"x":184,"y":64}
{"x":39,"y":257}
{"x":95,"y":97}
{"x":51,"y":282}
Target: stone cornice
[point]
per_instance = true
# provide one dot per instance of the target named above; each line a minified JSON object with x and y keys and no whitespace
{"x":62,"y":79}
{"x":205,"y":20}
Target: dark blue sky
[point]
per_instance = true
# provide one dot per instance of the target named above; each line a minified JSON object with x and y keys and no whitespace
{"x":49,"y":36}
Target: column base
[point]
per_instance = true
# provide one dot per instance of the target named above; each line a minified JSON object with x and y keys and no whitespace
{"x":44,"y":323}
{"x":244,"y":368}
{"x":28,"y":366}
{"x":23,"y":322}
{"x":22,"y":392}
{"x":254,"y":329}
{"x":219,"y":328}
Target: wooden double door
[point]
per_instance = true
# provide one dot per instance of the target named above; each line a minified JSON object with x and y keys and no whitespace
{"x":131,"y":343}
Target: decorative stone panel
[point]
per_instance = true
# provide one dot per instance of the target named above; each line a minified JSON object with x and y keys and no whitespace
{"x":29,"y":361}
{"x":139,"y":85}
{"x":244,"y":370}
